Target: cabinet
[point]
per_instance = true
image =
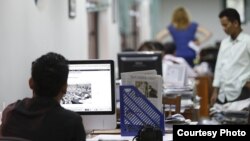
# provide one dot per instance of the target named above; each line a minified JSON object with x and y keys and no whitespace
{"x":204,"y":91}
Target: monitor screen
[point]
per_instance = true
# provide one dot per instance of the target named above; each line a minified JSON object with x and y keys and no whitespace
{"x":90,"y":87}
{"x":91,"y":93}
{"x":138,"y":61}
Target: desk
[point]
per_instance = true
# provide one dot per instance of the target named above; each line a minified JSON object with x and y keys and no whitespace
{"x":114,"y":135}
{"x":187,"y":110}
{"x":189,"y":105}
{"x":117,"y":137}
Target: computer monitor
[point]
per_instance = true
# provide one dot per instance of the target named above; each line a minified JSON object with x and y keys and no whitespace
{"x":138,"y":61}
{"x":91,"y":93}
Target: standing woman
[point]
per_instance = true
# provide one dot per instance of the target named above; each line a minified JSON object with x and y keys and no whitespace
{"x":183,"y":32}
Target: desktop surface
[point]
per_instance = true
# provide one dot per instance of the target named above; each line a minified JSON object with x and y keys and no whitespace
{"x":118,"y":137}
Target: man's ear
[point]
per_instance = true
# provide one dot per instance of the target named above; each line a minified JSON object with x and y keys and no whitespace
{"x":236,"y":23}
{"x":31,"y":83}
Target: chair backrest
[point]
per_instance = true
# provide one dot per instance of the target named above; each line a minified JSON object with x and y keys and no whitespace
{"x":172,"y":100}
{"x":13,"y":139}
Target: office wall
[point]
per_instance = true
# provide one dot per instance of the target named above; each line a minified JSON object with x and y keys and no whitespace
{"x":144,"y":22}
{"x":109,"y":37}
{"x":108,"y":33}
{"x":28,"y":31}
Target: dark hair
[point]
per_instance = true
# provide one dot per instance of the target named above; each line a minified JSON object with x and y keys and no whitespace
{"x":231,"y":14}
{"x":151,"y":46}
{"x":158,"y":46}
{"x":49,"y":73}
{"x":169,"y":48}
{"x":128,"y":49}
{"x":147,"y":46}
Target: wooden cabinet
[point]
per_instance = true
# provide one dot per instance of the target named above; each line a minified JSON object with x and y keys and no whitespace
{"x":204,"y":90}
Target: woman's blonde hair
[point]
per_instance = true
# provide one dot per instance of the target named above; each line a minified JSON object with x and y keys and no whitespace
{"x":180,"y":18}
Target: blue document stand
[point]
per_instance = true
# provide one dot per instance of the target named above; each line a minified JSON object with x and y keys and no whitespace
{"x":137,"y":111}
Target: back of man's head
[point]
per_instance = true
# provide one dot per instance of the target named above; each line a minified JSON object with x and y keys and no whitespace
{"x":169,"y":48}
{"x":49,"y":74}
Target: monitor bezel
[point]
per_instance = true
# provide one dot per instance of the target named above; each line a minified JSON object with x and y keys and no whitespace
{"x":111,"y":62}
{"x":139,"y":54}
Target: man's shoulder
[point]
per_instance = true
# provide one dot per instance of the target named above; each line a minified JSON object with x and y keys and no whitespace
{"x":225,"y":42}
{"x":226,"y":39}
{"x":246,"y":36}
{"x":12,"y":106}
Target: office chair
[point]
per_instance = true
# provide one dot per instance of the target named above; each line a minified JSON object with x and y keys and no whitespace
{"x":13,"y":139}
{"x":171,"y":100}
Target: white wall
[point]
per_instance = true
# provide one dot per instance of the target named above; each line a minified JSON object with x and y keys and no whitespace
{"x":109,"y":37}
{"x":144,"y":21}
{"x":28,"y":31}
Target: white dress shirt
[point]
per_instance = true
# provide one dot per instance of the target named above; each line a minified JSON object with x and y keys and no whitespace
{"x":232,"y":69}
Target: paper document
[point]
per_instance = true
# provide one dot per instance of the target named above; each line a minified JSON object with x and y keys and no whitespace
{"x":149,"y":84}
{"x":233,"y":106}
{"x":196,"y":48}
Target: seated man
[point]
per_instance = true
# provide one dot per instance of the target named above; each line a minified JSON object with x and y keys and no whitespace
{"x":41,"y":118}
